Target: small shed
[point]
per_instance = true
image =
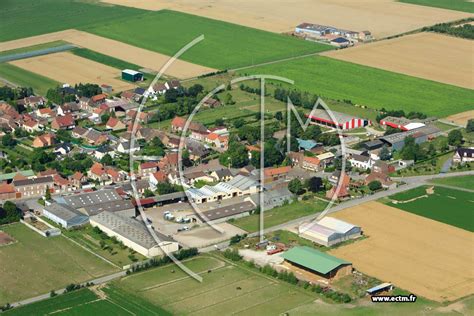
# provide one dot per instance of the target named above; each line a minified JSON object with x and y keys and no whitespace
{"x":384,"y":287}
{"x":131,"y":75}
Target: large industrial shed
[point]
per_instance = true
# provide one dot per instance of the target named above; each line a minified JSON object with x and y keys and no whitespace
{"x":334,"y":119}
{"x":64,"y":215}
{"x":306,"y":259}
{"x":422,"y":134}
{"x":329,"y":231}
{"x":133,"y":234}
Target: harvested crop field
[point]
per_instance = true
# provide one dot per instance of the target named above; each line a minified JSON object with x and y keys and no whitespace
{"x":135,"y":55}
{"x":461,"y":118}
{"x":68,"y":68}
{"x":381,"y":17}
{"x":430,"y":56}
{"x":428,"y":258}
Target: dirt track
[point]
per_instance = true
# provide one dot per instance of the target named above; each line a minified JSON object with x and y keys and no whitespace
{"x":68,"y":68}
{"x":420,"y":255}
{"x":426,"y":55}
{"x":381,"y":17}
{"x":138,"y":56}
{"x":461,"y":118}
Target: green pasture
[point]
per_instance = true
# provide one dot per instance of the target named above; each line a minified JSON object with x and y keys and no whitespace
{"x":458,"y":5}
{"x":25,"y":78}
{"x":466,"y":182}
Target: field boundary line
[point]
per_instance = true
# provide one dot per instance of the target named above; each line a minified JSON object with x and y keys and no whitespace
{"x":120,"y":306}
{"x":178,"y":280}
{"x":452,"y":187}
{"x":90,"y":251}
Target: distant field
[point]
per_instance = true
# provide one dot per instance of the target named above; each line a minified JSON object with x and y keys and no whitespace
{"x":225,"y":45}
{"x":35,"y":265}
{"x":372,"y":87}
{"x":424,"y":55}
{"x":23,"y":18}
{"x":66,"y":67}
{"x":449,"y":206}
{"x":32,"y":48}
{"x":458,"y":5}
{"x":25,"y":78}
{"x":381,"y":17}
{"x":466,"y":182}
{"x":280,"y":215}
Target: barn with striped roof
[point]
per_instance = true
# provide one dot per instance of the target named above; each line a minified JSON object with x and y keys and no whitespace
{"x":333,"y":119}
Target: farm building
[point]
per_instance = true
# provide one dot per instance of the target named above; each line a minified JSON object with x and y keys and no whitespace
{"x":133,"y":234}
{"x":238,"y":186}
{"x":400,"y":122}
{"x":333,"y":119}
{"x":304,"y":260}
{"x":65,"y":215}
{"x":422,"y":134}
{"x":224,"y":213}
{"x":131,"y":75}
{"x":317,"y":30}
{"x":329,"y":231}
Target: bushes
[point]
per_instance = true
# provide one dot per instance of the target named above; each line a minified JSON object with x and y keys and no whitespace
{"x":232,"y":254}
{"x":158,"y":262}
{"x":236,"y":239}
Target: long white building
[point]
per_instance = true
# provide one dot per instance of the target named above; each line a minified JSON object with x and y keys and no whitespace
{"x":329,"y":231}
{"x":133,"y":234}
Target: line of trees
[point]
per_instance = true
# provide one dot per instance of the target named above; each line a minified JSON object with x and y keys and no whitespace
{"x":464,"y":31}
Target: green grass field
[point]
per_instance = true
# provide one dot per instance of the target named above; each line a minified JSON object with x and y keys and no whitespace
{"x":33,"y":48}
{"x":368,"y":86}
{"x":110,"y":61}
{"x":225,"y":45}
{"x":218,"y":293}
{"x":466,"y":182}
{"x":449,"y":206}
{"x":26,"y":78}
{"x":280,"y":215}
{"x":24,"y":18}
{"x":35,"y":265}
{"x":458,"y":5}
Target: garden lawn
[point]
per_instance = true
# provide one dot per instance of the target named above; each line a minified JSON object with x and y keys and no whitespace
{"x":466,"y":182}
{"x":449,"y":206}
{"x":35,"y":264}
{"x":225,"y":45}
{"x":368,"y":86}
{"x":25,"y":78}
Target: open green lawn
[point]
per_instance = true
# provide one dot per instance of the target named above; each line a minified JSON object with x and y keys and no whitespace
{"x":458,"y":5}
{"x":35,"y":265}
{"x":280,"y":215}
{"x":24,"y":18}
{"x":219,"y":292}
{"x":26,"y":78}
{"x":368,"y":86}
{"x":225,"y":45}
{"x":466,"y":182}
{"x":449,"y":206}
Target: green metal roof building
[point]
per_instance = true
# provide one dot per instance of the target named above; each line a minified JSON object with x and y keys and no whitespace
{"x":311,"y":259}
{"x":11,"y":175}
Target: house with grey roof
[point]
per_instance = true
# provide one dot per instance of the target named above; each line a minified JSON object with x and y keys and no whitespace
{"x":64,"y":215}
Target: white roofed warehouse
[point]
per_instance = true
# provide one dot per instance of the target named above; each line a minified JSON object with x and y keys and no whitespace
{"x":333,"y":119}
{"x":329,"y":231}
{"x":133,"y":234}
